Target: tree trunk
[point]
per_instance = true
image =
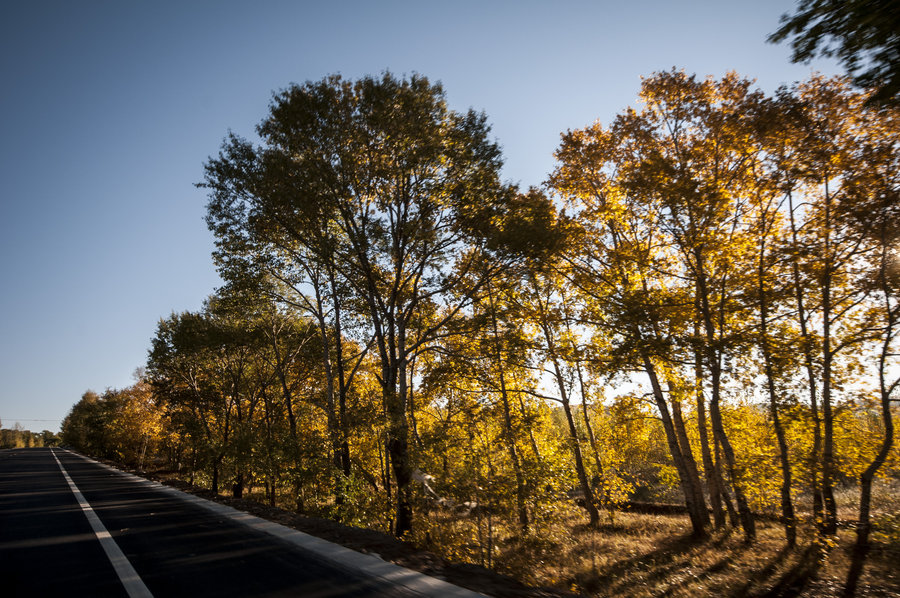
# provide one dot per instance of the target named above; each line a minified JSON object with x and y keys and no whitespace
{"x":523,"y":411}
{"x":787,"y":506}
{"x":587,"y":423}
{"x":864,"y":524}
{"x":285,"y":389}
{"x":330,"y":408}
{"x":698,"y":514}
{"x":723,"y":487}
{"x":394,"y":393}
{"x":713,"y":482}
{"x":747,"y":521}
{"x":589,"y":502}
{"x":383,"y":449}
{"x":713,"y":363}
{"x":343,"y":425}
{"x":828,"y":465}
{"x":690,"y":463}
{"x":237,"y":489}
{"x":509,"y":434}
{"x":215,"y":473}
{"x":807,"y":344}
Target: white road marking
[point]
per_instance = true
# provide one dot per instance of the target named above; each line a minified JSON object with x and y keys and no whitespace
{"x":133,"y":583}
{"x":419,"y":583}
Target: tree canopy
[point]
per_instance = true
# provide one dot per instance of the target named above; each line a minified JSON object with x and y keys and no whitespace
{"x":863,"y":34}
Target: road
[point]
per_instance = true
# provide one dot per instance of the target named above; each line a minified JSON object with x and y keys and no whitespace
{"x":148,"y":540}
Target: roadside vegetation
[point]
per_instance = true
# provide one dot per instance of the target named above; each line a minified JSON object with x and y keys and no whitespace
{"x":19,"y":437}
{"x":672,"y":370}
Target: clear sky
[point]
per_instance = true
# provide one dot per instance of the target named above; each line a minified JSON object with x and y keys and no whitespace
{"x":110,"y":108}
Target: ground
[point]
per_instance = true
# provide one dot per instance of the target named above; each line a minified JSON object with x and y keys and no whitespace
{"x":632,"y":554}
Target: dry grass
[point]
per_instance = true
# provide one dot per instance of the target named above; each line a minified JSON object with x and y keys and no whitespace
{"x":640,"y":555}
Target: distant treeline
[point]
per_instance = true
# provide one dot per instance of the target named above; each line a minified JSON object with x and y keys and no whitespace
{"x":20,"y":438}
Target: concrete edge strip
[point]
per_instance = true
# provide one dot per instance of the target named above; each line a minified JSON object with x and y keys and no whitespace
{"x":133,"y":583}
{"x":341,"y":555}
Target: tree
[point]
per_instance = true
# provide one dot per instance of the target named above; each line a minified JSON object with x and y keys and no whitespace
{"x":620,"y":272}
{"x":771,"y":296}
{"x":119,"y":424}
{"x":134,"y":426}
{"x":495,"y":348}
{"x":196,"y":364}
{"x":876,"y":188}
{"x":82,"y":428}
{"x":544,"y":303}
{"x":409,"y":194}
{"x":863,"y":34}
{"x":830,"y":128}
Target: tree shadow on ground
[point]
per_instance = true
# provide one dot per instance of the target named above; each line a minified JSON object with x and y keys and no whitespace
{"x":795,"y":580}
{"x":665,"y":568}
{"x":650,"y":567}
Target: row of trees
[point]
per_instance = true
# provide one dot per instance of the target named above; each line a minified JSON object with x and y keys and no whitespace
{"x":747,"y":233}
{"x":704,"y":293}
{"x":124,"y":425}
{"x":19,"y":437}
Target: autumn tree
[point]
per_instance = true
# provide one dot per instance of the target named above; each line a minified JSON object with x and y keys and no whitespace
{"x":121,"y":424}
{"x":196,"y":365}
{"x":545,"y":305}
{"x":83,"y":427}
{"x":830,"y":131}
{"x":629,"y":306}
{"x":17,"y":437}
{"x":768,"y":290}
{"x":400,"y":193}
{"x":873,"y":203}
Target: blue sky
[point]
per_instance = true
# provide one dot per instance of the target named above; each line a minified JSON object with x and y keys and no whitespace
{"x":110,"y":108}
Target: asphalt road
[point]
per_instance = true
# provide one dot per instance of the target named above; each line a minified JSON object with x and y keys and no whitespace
{"x":175,"y":545}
